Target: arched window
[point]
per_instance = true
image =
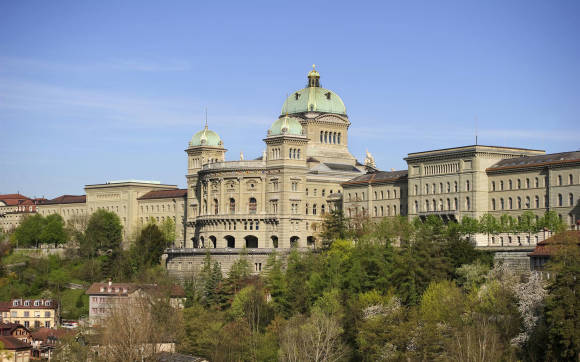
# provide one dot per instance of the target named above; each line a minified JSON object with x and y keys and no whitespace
{"x":215,"y":207}
{"x":426,"y":206}
{"x":321,"y":136}
{"x":455,"y":186}
{"x":290,"y":153}
{"x":571,"y":179}
{"x":501,"y":185}
{"x":322,"y":209}
{"x":298,"y":154}
{"x":326,"y":137}
{"x":205,"y":206}
{"x":493,"y":204}
{"x":314,"y":209}
{"x":434,"y":188}
{"x":560,"y":201}
{"x":559,"y":180}
{"x":537,"y":202}
{"x":395,"y":210}
{"x":441,"y":187}
{"x":448,"y":187}
{"x":339,"y":137}
{"x":519,"y":184}
{"x":571,"y":199}
{"x":375,"y":197}
{"x":493,"y":186}
{"x":382,"y":211}
{"x":519,"y":202}
{"x":455,"y":204}
{"x":376,"y":211}
{"x":383,"y":195}
{"x":528,"y":205}
{"x":416,"y":207}
{"x":527,"y":183}
{"x":537,"y":182}
{"x":232,"y":206}
{"x":467,"y":203}
{"x":334,"y":137}
{"x":415,"y":188}
{"x":434,"y":205}
{"x":510,"y":184}
{"x":426,"y":188}
{"x":252,"y":205}
{"x":510,"y":203}
{"x":448,"y":204}
{"x":467,"y":185}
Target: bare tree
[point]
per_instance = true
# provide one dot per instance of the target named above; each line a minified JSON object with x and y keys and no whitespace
{"x":317,"y":338}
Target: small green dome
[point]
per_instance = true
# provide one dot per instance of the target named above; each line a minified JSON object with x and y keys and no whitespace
{"x":313,"y":99}
{"x":286,"y":125}
{"x":205,"y":137}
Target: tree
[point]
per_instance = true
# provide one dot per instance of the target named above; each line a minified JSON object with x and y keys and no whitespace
{"x":527,"y":223}
{"x":469,"y":226}
{"x":552,"y":222}
{"x":104,"y":233}
{"x":333,"y":227}
{"x":563,"y":302}
{"x":488,"y":224}
{"x":28,"y":233}
{"x":168,"y":229}
{"x":149,"y":246}
{"x":53,"y":231}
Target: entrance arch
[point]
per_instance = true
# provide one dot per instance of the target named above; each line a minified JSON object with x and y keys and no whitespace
{"x":230,"y":241}
{"x":251,"y":242}
{"x":213,"y":241}
{"x":274,"y":241}
{"x":310,"y":241}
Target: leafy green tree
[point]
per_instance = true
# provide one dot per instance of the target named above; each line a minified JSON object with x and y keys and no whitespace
{"x":54,"y":231}
{"x":104,"y":233}
{"x":168,"y":229}
{"x":29,"y":232}
{"x":552,"y":222}
{"x":527,"y":223}
{"x":469,"y":226}
{"x":149,"y":246}
{"x":333,"y":227}
{"x":563,"y":302}
{"x":489,"y":225}
{"x":275,"y":283}
{"x":507,"y":224}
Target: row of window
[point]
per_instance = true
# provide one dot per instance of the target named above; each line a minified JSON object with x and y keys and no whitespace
{"x":37,"y":324}
{"x":432,"y":188}
{"x":441,"y":169}
{"x":315,"y":192}
{"x":157,"y":208}
{"x":378,"y":211}
{"x":315,"y":209}
{"x":330,"y":137}
{"x":27,"y":303}
{"x":26,"y":314}
{"x":527,"y":202}
{"x":252,"y":206}
{"x":380,"y":195}
{"x":448,"y":205}
{"x":527,"y":183}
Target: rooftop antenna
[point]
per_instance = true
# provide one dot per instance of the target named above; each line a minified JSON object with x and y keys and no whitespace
{"x":476,"y":130}
{"x":205,"y":116}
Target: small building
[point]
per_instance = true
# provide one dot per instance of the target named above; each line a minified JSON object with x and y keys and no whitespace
{"x":31,"y":313}
{"x":547,"y":248}
{"x":104,"y":296}
{"x":45,"y":340}
{"x":14,"y":350}
{"x":17,"y":331}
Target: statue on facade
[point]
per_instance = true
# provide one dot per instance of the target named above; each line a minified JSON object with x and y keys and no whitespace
{"x":370,"y":160}
{"x":241,"y":156}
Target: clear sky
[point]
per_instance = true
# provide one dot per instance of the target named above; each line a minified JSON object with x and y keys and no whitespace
{"x":92,"y":91}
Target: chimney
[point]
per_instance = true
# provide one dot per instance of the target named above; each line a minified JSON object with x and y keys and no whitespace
{"x":110,"y":282}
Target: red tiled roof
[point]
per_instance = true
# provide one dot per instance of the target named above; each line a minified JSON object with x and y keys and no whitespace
{"x":12,"y":343}
{"x":43,"y":333}
{"x":5,"y":306}
{"x":42,"y":305}
{"x":13,"y":199}
{"x":534,"y":161}
{"x":548,"y":246}
{"x":378,"y":177}
{"x":6,"y":329}
{"x":164,"y":194}
{"x":113,"y":289}
{"x":67,"y":199}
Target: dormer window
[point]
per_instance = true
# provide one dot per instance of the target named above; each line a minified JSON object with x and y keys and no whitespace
{"x":297,"y":95}
{"x":47,"y":303}
{"x":36,"y":303}
{"x":16,"y":303}
{"x":327,"y":94}
{"x":26,"y":303}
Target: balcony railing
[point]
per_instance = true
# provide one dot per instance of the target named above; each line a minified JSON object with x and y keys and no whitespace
{"x":233,"y":164}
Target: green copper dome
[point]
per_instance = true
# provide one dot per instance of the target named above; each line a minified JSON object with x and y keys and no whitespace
{"x":286,"y":125}
{"x":314,"y":99}
{"x":205,"y":137}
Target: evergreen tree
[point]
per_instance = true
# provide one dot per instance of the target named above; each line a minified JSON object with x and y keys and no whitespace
{"x":333,"y":227}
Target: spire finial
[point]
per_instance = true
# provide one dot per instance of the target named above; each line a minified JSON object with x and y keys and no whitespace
{"x":314,"y":67}
{"x":206,"y":117}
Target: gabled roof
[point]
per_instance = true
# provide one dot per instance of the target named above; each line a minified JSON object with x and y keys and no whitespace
{"x":164,"y":194}
{"x":12,"y":343}
{"x":67,"y":199}
{"x":6,"y":329}
{"x":378,"y":177}
{"x":42,"y":334}
{"x":124,"y":289}
{"x":550,"y":245}
{"x":13,"y":199}
{"x":542,"y":160}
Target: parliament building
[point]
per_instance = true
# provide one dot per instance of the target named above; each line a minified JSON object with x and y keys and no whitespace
{"x":277,"y":201}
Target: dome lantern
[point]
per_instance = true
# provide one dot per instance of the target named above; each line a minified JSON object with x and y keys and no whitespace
{"x":313,"y":77}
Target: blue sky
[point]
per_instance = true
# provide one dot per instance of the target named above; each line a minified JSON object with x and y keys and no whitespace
{"x":108,"y":90}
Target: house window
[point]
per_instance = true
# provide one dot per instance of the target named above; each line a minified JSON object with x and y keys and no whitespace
{"x":537,"y":182}
{"x":47,"y":324}
{"x":502,"y":203}
{"x":232,"y":205}
{"x":493,"y":186}
{"x":467,"y":185}
{"x":527,"y":183}
{"x":510,"y":203}
{"x":571,"y":199}
{"x":468,"y":203}
{"x":314,"y":209}
{"x":559,"y":180}
{"x":570,"y":179}
{"x":560,"y":201}
{"x":519,"y":184}
{"x":537,"y":202}
{"x":527,"y":202}
{"x":455,"y":186}
{"x":510,"y":184}
{"x":501,"y":185}
{"x":493,"y":204}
